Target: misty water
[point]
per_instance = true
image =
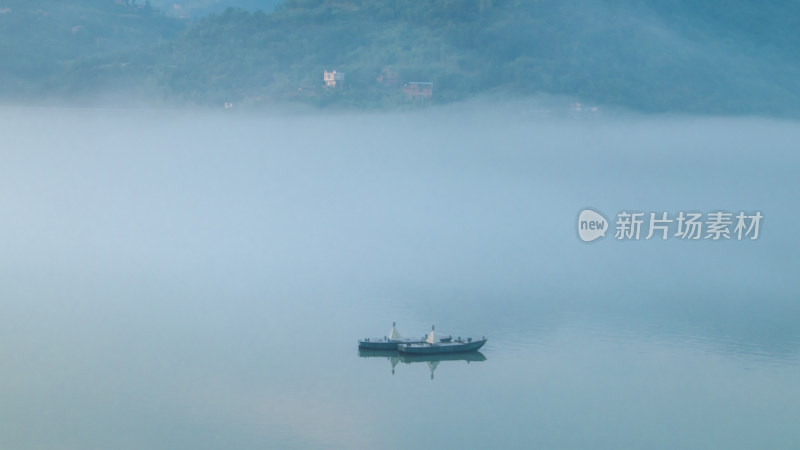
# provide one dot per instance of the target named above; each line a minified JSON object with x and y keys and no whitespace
{"x":199,"y":280}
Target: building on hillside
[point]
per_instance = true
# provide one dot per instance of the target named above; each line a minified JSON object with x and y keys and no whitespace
{"x":333,"y":78}
{"x":388,"y":77}
{"x":418,"y":90}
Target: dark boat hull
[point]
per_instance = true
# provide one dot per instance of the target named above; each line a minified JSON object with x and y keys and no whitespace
{"x":384,"y":344}
{"x":440,"y":348}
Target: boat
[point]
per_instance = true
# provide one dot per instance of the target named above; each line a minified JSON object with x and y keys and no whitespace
{"x":431,"y":347}
{"x":387,"y":342}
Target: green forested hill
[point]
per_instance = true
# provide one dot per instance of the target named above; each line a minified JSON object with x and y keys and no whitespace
{"x":193,"y":9}
{"x":41,"y":41}
{"x":676,"y":55}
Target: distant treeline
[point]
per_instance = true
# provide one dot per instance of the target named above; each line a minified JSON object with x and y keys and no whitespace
{"x":735,"y":56}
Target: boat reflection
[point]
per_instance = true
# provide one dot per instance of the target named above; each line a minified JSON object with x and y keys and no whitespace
{"x":433,"y":361}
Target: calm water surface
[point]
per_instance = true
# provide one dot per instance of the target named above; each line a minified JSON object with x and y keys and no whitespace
{"x":197,"y":281}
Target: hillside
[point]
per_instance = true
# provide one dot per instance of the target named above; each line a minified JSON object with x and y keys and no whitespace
{"x":194,"y":9}
{"x":43,"y":41}
{"x":734,"y":57}
{"x":716,"y":57}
